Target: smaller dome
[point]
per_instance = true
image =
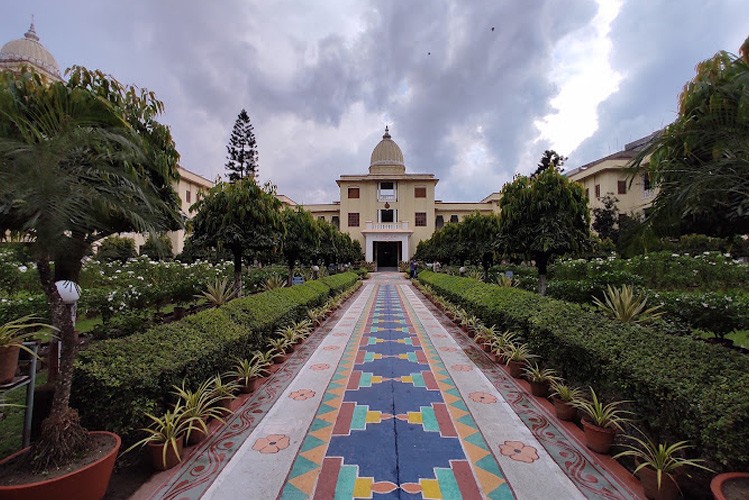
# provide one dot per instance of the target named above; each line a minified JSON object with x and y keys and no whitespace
{"x":386,"y":154}
{"x":28,"y":51}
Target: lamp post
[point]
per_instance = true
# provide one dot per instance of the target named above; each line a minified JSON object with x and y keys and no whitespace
{"x":69,"y":292}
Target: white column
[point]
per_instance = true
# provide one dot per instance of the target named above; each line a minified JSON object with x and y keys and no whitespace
{"x":405,"y":248}
{"x":368,"y":248}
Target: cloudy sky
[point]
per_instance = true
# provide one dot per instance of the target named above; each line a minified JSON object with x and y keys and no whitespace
{"x":473,"y":91}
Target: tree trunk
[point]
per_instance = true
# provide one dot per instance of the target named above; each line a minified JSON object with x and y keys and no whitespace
{"x":237,"y":254}
{"x":290,"y":277}
{"x":541,"y":264}
{"x":62,"y":435}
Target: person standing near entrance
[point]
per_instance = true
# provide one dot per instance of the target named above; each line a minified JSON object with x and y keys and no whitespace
{"x":413,"y":269}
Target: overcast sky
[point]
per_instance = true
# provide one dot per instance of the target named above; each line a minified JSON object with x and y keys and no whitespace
{"x":473,"y":91}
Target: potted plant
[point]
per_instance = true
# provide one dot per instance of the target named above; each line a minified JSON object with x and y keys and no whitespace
{"x":200,"y":404}
{"x":540,"y":379}
{"x":656,"y":465}
{"x":730,"y":486}
{"x":12,"y":336}
{"x":564,"y":398}
{"x":279,"y":346}
{"x":247,"y":372}
{"x":601,"y":421}
{"x":165,"y":437}
{"x":223,"y":393}
{"x":517,"y":356}
{"x":290,"y":335}
{"x":500,"y":343}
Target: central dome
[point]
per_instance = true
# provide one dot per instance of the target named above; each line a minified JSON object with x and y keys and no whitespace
{"x":28,"y":51}
{"x":387,"y":157}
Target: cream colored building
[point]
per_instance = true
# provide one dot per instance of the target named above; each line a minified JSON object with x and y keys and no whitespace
{"x":608,"y":176}
{"x":388,"y":210}
{"x":28,"y":51}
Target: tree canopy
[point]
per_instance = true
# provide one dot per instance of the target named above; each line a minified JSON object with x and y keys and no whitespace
{"x":242,"y":151}
{"x":237,"y":216}
{"x":478,"y":234}
{"x":550,"y":157}
{"x":542,"y":217}
{"x":301,"y":238}
{"x":700,"y":162}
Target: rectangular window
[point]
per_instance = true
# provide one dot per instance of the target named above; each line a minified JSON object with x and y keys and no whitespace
{"x":454,"y":219}
{"x":597,"y":191}
{"x":420,"y":219}
{"x":335,"y":221}
{"x":353,"y":192}
{"x":646,"y":182}
{"x":353,"y":219}
{"x":187,"y":196}
{"x":321,"y":217}
{"x":387,"y":215}
{"x":387,"y":191}
{"x":439,"y":222}
{"x":587,"y":194}
{"x":420,"y":192}
{"x":622,"y":187}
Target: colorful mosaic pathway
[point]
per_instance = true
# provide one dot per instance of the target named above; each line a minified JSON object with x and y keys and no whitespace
{"x":390,"y":405}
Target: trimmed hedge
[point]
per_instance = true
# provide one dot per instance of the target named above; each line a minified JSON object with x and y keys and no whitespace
{"x":680,"y":388}
{"x":116,"y":380}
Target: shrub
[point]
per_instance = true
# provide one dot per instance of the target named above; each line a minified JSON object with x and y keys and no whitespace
{"x":124,"y":325}
{"x":157,"y":247}
{"x":116,"y":248}
{"x":682,"y":388}
{"x":117,"y":380}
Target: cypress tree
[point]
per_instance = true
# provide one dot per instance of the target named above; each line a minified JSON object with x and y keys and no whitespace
{"x":242,"y":152}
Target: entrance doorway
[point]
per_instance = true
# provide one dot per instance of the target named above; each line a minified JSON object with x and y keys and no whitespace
{"x":387,"y":255}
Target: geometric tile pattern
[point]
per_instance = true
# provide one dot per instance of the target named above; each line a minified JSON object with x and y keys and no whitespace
{"x":390,"y":392}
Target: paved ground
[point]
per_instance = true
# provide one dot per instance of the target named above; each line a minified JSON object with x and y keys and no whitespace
{"x":389,"y":403}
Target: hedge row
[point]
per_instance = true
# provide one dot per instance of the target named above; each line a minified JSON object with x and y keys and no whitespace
{"x":680,"y":388}
{"x":116,"y":380}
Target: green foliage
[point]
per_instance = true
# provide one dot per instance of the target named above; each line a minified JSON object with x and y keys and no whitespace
{"x":301,"y":237}
{"x":605,"y":218}
{"x":242,"y":151}
{"x":123,"y":325}
{"x":626,"y":305}
{"x":543,"y":217}
{"x":478,"y":234}
{"x":157,"y":247}
{"x":700,"y":162}
{"x":134,"y":372}
{"x":116,"y":248}
{"x":683,"y":388}
{"x":608,"y":415}
{"x":218,"y":293}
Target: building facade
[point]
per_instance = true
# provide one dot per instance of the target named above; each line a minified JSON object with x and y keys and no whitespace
{"x":609,"y":176}
{"x":388,"y":210}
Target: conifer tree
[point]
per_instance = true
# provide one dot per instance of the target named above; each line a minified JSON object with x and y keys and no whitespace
{"x":242,"y":152}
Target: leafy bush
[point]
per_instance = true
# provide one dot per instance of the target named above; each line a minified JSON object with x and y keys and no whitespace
{"x":157,"y":247}
{"x":124,"y":325}
{"x":719,"y":313}
{"x":116,"y":248}
{"x":682,"y":388}
{"x":117,"y":380}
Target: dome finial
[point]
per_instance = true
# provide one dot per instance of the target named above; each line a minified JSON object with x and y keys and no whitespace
{"x":386,"y":135}
{"x":31,"y":34}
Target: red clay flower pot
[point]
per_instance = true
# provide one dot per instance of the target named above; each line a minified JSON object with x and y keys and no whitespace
{"x":158,"y":459}
{"x":8,"y":363}
{"x":599,"y":439}
{"x":516,"y":368}
{"x":669,"y":489}
{"x":564,"y":410}
{"x":539,"y":389}
{"x":87,"y":483}
{"x":730,"y":486}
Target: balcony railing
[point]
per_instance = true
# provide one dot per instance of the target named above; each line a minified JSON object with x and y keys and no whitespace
{"x":386,"y":226}
{"x":387,"y":197}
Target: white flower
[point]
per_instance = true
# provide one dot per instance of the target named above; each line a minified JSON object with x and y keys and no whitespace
{"x":23,"y":268}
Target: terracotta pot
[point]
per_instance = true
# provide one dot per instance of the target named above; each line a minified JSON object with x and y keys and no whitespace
{"x":669,"y":489}
{"x":196,"y":436}
{"x":564,"y":410}
{"x":88,"y":483}
{"x":159,"y":460}
{"x":539,"y":389}
{"x":225,"y":403}
{"x":730,"y":486}
{"x":8,"y":363}
{"x":516,"y":368}
{"x":246,"y":388}
{"x":599,"y":439}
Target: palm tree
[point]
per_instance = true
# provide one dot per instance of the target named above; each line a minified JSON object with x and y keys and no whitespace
{"x":76,"y":166}
{"x":700,"y":162}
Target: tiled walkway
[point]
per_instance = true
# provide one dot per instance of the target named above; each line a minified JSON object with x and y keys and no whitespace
{"x":388,"y":404}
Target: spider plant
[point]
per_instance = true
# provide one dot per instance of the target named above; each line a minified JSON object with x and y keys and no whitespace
{"x":199,"y":403}
{"x":303,"y":327}
{"x":290,"y":335}
{"x":218,"y":293}
{"x":316,"y":315}
{"x":535,"y":374}
{"x":518,"y":352}
{"x":168,"y":431}
{"x":279,"y":344}
{"x":264,"y":358}
{"x":625,"y":305}
{"x":663,"y":458}
{"x":223,"y":391}
{"x":566,"y":393}
{"x":505,"y":281}
{"x":603,"y":415}
{"x":15,"y":333}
